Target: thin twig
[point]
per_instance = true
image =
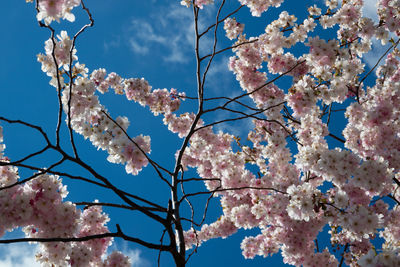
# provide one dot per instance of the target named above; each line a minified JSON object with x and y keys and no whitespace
{"x":71,"y":77}
{"x":89,"y":204}
{"x":231,"y":189}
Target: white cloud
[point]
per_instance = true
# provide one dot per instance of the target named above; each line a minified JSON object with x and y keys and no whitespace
{"x":238,"y":128}
{"x":219,"y":78}
{"x":136,"y":259}
{"x":369,"y":10}
{"x":114,"y":43}
{"x":371,"y":58}
{"x":137,"y":48}
{"x":171,"y":33}
{"x":144,"y":30}
{"x":220,"y":67}
{"x":176,"y":55}
{"x":18,"y":255}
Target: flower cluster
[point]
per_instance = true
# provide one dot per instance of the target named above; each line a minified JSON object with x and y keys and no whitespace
{"x":116,"y":259}
{"x":89,"y":118}
{"x":2,"y":146}
{"x":233,"y":28}
{"x":61,"y":50}
{"x":388,"y":10}
{"x":50,"y":10}
{"x":385,"y":258}
{"x":302,"y":204}
{"x":223,"y":227}
{"x":198,"y":3}
{"x":38,"y":206}
{"x":259,"y":6}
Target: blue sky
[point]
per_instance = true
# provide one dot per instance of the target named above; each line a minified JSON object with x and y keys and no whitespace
{"x":150,"y":39}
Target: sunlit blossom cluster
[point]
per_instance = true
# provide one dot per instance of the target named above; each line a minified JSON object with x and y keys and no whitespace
{"x":198,"y":3}
{"x":91,"y":119}
{"x":302,"y":203}
{"x":385,"y":258}
{"x":259,"y":6}
{"x":50,"y":10}
{"x":232,"y":28}
{"x":38,"y":206}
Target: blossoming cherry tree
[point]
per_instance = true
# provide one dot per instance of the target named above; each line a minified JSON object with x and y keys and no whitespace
{"x":291,"y":179}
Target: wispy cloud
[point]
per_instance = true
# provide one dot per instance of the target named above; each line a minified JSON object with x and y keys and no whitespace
{"x":369,"y":10}
{"x":220,"y":78}
{"x":220,"y":67}
{"x":171,"y":34}
{"x":138,"y":48}
{"x":144,"y":30}
{"x":18,"y":255}
{"x":371,"y":58}
{"x":113,"y":43}
{"x":238,"y":128}
{"x":136,"y":259}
